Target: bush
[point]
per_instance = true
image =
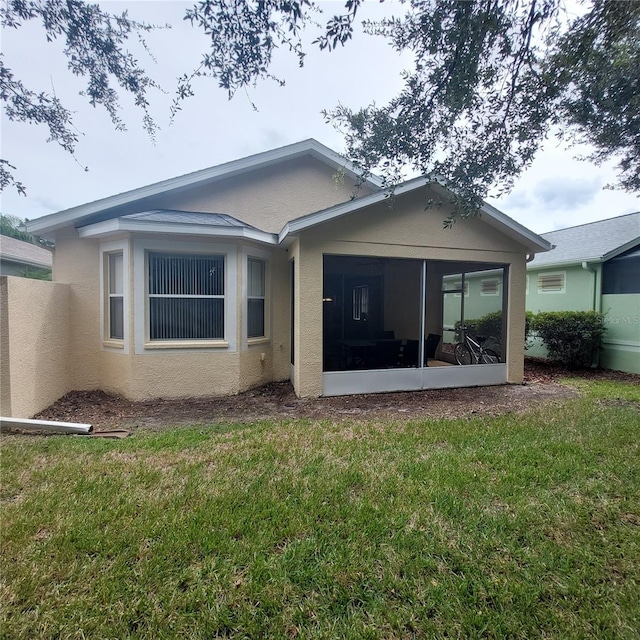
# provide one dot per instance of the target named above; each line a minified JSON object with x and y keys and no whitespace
{"x":571,"y":337}
{"x":490,"y":325}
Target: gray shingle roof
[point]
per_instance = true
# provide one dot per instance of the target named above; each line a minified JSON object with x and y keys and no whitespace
{"x":24,"y":252}
{"x":189,"y":217}
{"x":589,"y":242}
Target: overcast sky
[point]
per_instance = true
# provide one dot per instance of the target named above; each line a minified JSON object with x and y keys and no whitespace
{"x":556,"y":192}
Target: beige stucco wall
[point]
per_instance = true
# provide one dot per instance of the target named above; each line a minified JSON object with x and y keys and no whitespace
{"x":36,"y":367}
{"x":406,"y":231}
{"x":170,"y":373}
{"x":268,"y":198}
{"x":76,"y":263}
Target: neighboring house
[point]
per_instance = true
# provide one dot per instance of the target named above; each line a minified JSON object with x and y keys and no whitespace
{"x":19,"y":258}
{"x":594,"y":266}
{"x":266,"y":268}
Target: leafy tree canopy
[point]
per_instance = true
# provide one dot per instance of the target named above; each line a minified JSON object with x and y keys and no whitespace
{"x":12,"y":226}
{"x":490,"y":79}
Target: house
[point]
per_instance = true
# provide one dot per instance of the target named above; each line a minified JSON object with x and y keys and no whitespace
{"x":268,"y":268}
{"x":19,"y":258}
{"x":594,"y":266}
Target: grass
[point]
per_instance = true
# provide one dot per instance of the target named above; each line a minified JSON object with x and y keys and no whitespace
{"x":519,"y":526}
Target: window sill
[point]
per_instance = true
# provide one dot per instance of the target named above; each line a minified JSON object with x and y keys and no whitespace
{"x":252,"y":341}
{"x":113,"y":344}
{"x":187,"y":344}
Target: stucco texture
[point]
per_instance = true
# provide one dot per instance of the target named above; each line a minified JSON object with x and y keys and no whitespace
{"x":268,"y":198}
{"x":404,"y":231}
{"x":35,"y":353}
{"x":95,"y":363}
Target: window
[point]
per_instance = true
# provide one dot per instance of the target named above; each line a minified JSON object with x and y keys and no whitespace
{"x":361,"y":302}
{"x":115,"y":294}
{"x":186,"y":296}
{"x":489,"y":287}
{"x":551,"y":282}
{"x":256,"y":287}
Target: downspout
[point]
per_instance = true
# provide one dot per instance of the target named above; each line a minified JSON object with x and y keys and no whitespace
{"x":594,"y":305}
{"x":45,"y":425}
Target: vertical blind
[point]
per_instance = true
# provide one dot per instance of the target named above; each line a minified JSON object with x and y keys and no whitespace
{"x":255,"y":298}
{"x":186,"y":297}
{"x":116,"y":296}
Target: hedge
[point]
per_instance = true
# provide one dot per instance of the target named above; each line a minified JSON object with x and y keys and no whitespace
{"x":572,"y":338}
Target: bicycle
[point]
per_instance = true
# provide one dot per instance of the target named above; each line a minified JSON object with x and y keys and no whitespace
{"x":471,"y":351}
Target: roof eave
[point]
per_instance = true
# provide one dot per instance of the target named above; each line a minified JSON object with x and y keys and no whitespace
{"x":532,"y":241}
{"x":318,"y":217}
{"x":122,"y":225}
{"x":562,"y":263}
{"x":27,"y":263}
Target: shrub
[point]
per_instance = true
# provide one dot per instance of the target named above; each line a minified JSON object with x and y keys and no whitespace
{"x":490,"y":325}
{"x":571,"y":337}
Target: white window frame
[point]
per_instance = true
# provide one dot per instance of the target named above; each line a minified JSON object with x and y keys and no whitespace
{"x":108,"y":249}
{"x":264,"y":256}
{"x":142,"y":247}
{"x":562,"y":274}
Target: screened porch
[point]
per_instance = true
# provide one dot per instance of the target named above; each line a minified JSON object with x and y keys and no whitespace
{"x":392,"y":323}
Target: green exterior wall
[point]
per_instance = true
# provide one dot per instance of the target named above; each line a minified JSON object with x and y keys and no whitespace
{"x":621,"y":345}
{"x":578,"y":294}
{"x":622,"y":339}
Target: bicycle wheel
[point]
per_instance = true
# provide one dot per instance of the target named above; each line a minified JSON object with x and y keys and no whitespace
{"x":489,"y":357}
{"x":463,"y":354}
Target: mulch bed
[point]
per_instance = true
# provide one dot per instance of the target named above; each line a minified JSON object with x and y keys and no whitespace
{"x":278,"y":402}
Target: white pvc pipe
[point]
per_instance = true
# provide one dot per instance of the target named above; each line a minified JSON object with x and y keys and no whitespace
{"x":45,"y":425}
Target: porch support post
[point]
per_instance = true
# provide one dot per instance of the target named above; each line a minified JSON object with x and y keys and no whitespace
{"x":517,"y":273}
{"x":423,"y":303}
{"x":308,"y":319}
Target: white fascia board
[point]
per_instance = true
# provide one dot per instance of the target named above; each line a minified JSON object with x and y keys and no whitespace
{"x":532,"y":266}
{"x":25,"y":262}
{"x":313,"y":219}
{"x":54,"y":221}
{"x":117,"y":225}
{"x":502,"y":221}
{"x":495,"y":217}
{"x":536,"y":242}
{"x":329,"y":156}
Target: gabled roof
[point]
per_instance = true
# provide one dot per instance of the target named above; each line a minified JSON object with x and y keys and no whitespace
{"x":592,"y":242}
{"x":109,"y":215}
{"x":21,"y":252}
{"x":489,"y":214}
{"x":83,"y":213}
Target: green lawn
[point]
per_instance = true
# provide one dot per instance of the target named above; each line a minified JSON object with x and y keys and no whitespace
{"x":519,"y":526}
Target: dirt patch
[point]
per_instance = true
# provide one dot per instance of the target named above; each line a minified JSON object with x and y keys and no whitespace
{"x":277,"y":401}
